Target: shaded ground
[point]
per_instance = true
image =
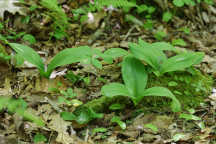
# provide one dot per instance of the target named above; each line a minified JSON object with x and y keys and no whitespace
{"x":107,"y":31}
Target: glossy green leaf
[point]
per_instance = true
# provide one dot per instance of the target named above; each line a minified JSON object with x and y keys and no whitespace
{"x":68,"y":56}
{"x":151,"y":56}
{"x":134,"y":75}
{"x":163,"y":46}
{"x":29,"y":55}
{"x":116,"y":52}
{"x":161,"y":91}
{"x":181,"y":61}
{"x":114,"y":89}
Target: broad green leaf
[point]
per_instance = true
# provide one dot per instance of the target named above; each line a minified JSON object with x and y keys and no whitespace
{"x":114,"y":89}
{"x":117,"y":120}
{"x":181,"y":61}
{"x":161,"y":91}
{"x":116,"y":52}
{"x":68,"y":56}
{"x":163,"y":46}
{"x":151,"y":56}
{"x":134,"y":75}
{"x":29,"y":55}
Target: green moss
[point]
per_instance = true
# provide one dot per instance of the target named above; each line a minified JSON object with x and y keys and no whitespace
{"x":191,"y":87}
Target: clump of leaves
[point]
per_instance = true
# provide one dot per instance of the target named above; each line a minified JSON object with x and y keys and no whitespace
{"x":19,"y":106}
{"x":135,"y":79}
{"x":154,"y":56}
{"x":67,"y":56}
{"x":82,"y":115}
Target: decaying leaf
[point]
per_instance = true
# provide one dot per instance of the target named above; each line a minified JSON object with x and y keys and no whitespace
{"x":8,"y":5}
{"x":59,"y":125}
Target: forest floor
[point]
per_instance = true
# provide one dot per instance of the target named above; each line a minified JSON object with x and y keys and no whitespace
{"x":150,"y":124}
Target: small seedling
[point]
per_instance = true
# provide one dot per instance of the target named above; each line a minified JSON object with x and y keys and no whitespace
{"x":135,"y":79}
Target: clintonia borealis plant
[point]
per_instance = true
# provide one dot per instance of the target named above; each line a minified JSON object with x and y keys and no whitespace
{"x":66,"y":56}
{"x":135,"y":80}
{"x":154,"y":56}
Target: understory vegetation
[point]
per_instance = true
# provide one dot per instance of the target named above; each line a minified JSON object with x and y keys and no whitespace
{"x":107,"y":71}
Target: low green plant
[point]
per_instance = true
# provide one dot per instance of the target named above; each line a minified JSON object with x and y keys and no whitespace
{"x":69,"y":97}
{"x":19,"y":106}
{"x":82,"y":115}
{"x":67,"y":56}
{"x":154,"y":56}
{"x":57,"y":14}
{"x":135,"y":78}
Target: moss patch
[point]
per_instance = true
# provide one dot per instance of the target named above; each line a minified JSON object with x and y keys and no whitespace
{"x":191,"y":87}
